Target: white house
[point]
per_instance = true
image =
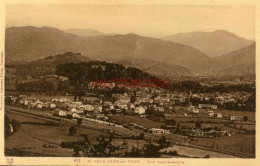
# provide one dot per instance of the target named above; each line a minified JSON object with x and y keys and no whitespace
{"x":59,"y":112}
{"x":25,"y":102}
{"x":156,"y":130}
{"x":63,"y":100}
{"x":208,"y":106}
{"x":111,"y":106}
{"x":239,"y":118}
{"x":211,"y":113}
{"x":218,"y":115}
{"x":52,"y":105}
{"x":72,"y":114}
{"x":160,"y":109}
{"x":39,"y":105}
{"x":139,"y":110}
{"x":72,"y":109}
{"x":97,"y":108}
{"x":131,"y":106}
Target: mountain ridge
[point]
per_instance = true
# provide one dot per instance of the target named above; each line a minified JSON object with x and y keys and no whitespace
{"x":215,"y":43}
{"x":166,"y":57}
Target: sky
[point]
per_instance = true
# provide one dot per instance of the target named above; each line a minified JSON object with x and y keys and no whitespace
{"x":157,"y":20}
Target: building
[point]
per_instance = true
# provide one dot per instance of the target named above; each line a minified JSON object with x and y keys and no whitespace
{"x":238,"y":118}
{"x":139,"y":110}
{"x":59,"y":112}
{"x":63,"y":78}
{"x":131,"y":106}
{"x":218,"y":115}
{"x":194,"y":110}
{"x":160,"y":109}
{"x":160,"y":131}
{"x":124,"y":99}
{"x":208,"y":106}
{"x":39,"y":105}
{"x":97,"y":108}
{"x":72,"y":115}
{"x":211,"y":113}
{"x":52,"y":105}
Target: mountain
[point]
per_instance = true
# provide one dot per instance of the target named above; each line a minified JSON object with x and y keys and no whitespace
{"x":213,"y":44}
{"x":47,"y":65}
{"x":84,"y":32}
{"x":133,"y":47}
{"x":239,"y":62}
{"x":27,"y":43}
{"x":158,"y":69}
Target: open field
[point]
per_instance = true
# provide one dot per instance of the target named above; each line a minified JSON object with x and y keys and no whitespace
{"x":191,"y":152}
{"x":125,"y":119}
{"x":239,"y":143}
{"x":250,"y":114}
{"x":58,"y":134}
{"x":21,"y":118}
{"x":54,"y":135}
{"x":32,"y":137}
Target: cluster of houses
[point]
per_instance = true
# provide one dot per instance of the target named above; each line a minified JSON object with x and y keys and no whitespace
{"x":157,"y":100}
{"x":221,"y":98}
{"x":31,"y":102}
{"x":205,"y":132}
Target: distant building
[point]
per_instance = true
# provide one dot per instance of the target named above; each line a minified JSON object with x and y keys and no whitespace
{"x":63,"y":78}
{"x":97,"y":108}
{"x":59,"y":112}
{"x":218,"y":115}
{"x":208,"y":106}
{"x":211,"y":113}
{"x":139,"y":110}
{"x":156,"y":130}
{"x":194,"y":110}
{"x":39,"y":105}
{"x":239,"y":118}
{"x":72,"y":115}
{"x":160,"y":109}
{"x":131,"y":106}
{"x":52,"y":105}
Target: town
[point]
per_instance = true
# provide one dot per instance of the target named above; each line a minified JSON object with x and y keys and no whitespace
{"x":188,"y":119}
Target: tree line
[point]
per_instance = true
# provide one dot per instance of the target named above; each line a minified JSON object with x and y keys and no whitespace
{"x":80,"y":73}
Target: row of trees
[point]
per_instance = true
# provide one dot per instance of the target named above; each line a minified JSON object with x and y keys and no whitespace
{"x":195,"y":86}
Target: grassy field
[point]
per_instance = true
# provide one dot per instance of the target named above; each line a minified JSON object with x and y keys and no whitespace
{"x":32,"y":137}
{"x":191,"y":152}
{"x":134,"y":119}
{"x":27,"y":143}
{"x":239,"y":143}
{"x":20,"y":118}
{"x":250,"y":115}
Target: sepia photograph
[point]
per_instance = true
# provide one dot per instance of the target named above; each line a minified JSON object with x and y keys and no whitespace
{"x":130,"y":81}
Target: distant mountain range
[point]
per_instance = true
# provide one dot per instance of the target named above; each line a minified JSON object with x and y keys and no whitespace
{"x":239,"y":62}
{"x":84,"y":32}
{"x":213,"y":44}
{"x":155,"y":56}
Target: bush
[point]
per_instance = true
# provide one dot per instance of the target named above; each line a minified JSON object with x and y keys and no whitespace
{"x":207,"y":156}
{"x":72,"y":130}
